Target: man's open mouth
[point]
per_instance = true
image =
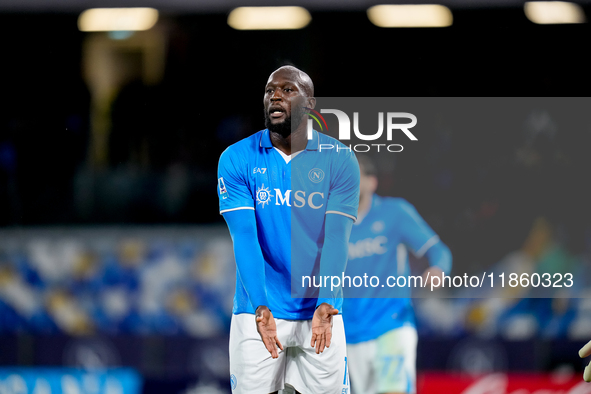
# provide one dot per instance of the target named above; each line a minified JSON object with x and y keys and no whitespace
{"x":276,"y":112}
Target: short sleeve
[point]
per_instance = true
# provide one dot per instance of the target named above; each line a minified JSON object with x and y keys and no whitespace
{"x":417,"y":234}
{"x":343,"y":197}
{"x":233,"y":190}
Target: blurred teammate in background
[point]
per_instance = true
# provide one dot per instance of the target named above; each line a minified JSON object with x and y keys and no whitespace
{"x":381,"y":333}
{"x":276,"y":339}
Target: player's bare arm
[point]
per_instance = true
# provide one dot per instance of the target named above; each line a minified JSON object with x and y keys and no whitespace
{"x":322,"y":327}
{"x":268,"y":330}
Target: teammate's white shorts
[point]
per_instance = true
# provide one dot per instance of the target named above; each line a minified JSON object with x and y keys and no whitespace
{"x":386,"y":364}
{"x":254,"y":371}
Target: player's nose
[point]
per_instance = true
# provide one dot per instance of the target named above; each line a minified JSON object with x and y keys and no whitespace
{"x":277,"y":95}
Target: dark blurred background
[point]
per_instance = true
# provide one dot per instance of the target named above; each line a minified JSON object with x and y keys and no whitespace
{"x":112,"y":251}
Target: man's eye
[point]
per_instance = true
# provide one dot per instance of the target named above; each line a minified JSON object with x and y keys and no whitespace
{"x":268,"y":91}
{"x":288,"y":89}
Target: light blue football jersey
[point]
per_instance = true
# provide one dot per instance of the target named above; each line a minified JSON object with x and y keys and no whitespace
{"x":290,"y":199}
{"x":379,"y":246}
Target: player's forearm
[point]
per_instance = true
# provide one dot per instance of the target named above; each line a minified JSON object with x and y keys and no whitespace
{"x":333,"y":261}
{"x":247,"y":252}
{"x":439,"y":255}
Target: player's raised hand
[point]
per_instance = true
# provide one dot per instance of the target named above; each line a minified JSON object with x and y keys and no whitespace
{"x":586,"y":352}
{"x":268,"y":330}
{"x":322,"y":326}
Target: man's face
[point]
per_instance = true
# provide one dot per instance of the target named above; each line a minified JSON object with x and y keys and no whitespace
{"x":282,"y":90}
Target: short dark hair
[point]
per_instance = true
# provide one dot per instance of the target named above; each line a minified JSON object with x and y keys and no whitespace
{"x":366,"y":165}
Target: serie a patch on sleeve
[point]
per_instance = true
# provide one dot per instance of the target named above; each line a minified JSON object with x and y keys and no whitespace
{"x":222,"y":187}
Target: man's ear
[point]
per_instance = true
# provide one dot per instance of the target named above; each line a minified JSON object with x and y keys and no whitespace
{"x":311,"y":102}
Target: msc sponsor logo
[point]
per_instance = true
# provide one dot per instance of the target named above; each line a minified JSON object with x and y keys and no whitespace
{"x":316,"y":175}
{"x":368,"y":247}
{"x":298,"y":199}
{"x":315,"y":200}
{"x":263,"y":195}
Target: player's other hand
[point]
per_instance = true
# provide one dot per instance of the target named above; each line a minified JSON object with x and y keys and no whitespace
{"x":268,"y":330}
{"x":322,"y":326}
{"x":430,"y":273}
{"x":586,"y":352}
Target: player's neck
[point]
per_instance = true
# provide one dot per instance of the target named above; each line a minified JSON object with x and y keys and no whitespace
{"x":364,"y":206}
{"x":294,"y":142}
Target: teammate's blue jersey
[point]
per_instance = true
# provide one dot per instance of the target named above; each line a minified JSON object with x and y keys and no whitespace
{"x":290,"y":199}
{"x":379,"y":244}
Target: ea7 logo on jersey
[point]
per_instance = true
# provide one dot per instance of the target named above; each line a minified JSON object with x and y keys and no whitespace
{"x":222,"y":187}
{"x":258,"y":170}
{"x":263,"y":195}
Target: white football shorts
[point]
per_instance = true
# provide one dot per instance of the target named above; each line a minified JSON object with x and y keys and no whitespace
{"x":254,"y":371}
{"x":386,"y":364}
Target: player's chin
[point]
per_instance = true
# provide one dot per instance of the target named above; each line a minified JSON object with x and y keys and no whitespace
{"x":277,"y":122}
{"x":277,"y":125}
{"x":282,"y":129}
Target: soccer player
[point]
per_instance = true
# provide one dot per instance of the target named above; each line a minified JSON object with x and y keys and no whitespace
{"x":290,"y":207}
{"x":381,"y":333}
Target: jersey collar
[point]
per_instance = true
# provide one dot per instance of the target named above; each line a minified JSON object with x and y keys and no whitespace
{"x":266,"y":140}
